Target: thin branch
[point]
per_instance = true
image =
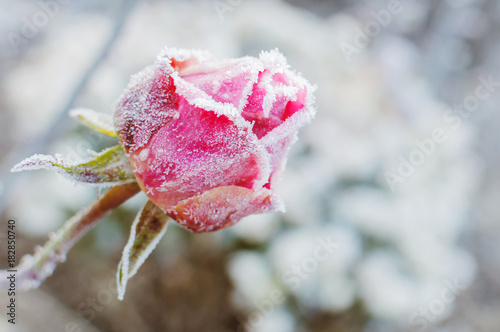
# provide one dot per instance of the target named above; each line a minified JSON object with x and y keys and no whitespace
{"x":34,"y":269}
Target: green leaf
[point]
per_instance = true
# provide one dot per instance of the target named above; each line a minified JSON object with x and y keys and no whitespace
{"x":108,"y":168}
{"x":148,"y":228}
{"x":100,"y":122}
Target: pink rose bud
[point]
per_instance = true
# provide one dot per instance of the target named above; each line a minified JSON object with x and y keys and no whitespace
{"x":207,"y":138}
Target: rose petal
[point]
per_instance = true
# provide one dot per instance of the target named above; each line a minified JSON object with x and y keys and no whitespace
{"x":297,"y":114}
{"x":226,"y":81}
{"x":177,"y":63}
{"x":148,"y":104}
{"x":278,"y":94}
{"x":176,"y":59}
{"x":197,"y":152}
{"x":278,"y":153}
{"x":222,"y":207}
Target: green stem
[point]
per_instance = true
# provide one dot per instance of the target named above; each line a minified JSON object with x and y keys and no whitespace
{"x":33,"y":270}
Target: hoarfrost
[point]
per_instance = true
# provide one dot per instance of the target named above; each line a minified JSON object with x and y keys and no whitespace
{"x":95,"y":120}
{"x":109,"y":168}
{"x":146,"y":232}
{"x":201,"y":151}
{"x":148,"y":103}
{"x":224,"y":206}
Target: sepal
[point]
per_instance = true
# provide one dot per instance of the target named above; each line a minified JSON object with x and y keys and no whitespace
{"x":148,"y":228}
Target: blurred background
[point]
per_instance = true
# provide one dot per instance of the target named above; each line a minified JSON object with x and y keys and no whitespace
{"x":396,"y":181}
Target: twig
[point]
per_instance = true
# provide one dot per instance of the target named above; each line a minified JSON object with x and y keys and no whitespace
{"x":34,"y":269}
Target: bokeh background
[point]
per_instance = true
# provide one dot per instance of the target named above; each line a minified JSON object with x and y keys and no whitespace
{"x":420,"y":253}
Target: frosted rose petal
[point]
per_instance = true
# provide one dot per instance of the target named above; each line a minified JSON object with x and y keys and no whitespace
{"x":226,"y":81}
{"x":278,"y":94}
{"x":277,"y":153}
{"x":222,"y":207}
{"x":149,"y":103}
{"x":197,"y":152}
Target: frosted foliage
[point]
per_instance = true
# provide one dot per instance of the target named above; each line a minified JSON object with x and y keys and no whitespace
{"x":35,"y":162}
{"x":95,"y":120}
{"x":147,"y":230}
{"x":110,"y":167}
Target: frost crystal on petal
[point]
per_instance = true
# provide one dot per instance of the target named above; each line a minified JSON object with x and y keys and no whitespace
{"x":226,"y":81}
{"x":222,"y":207}
{"x":278,"y":94}
{"x":198,"y":152}
{"x":148,"y":103}
{"x":217,"y":123}
{"x":298,"y":119}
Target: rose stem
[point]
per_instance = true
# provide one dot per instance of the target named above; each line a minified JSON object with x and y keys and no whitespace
{"x":32,"y":270}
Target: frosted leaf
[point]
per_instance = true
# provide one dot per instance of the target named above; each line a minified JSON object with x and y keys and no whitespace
{"x":100,"y":122}
{"x":147,"y":230}
{"x":108,"y":168}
